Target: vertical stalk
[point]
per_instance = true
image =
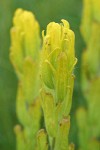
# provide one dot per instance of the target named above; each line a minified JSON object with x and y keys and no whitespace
{"x":57,"y":64}
{"x":25,"y":57}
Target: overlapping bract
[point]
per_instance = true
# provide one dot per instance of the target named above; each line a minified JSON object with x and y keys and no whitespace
{"x":58,"y":58}
{"x":24,"y":51}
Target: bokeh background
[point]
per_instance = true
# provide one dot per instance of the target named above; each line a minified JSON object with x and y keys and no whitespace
{"x":45,"y":12}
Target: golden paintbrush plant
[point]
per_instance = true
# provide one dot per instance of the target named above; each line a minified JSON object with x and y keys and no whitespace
{"x":57,"y":69}
{"x":25,"y":57}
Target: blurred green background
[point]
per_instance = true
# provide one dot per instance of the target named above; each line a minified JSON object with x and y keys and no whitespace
{"x":45,"y":12}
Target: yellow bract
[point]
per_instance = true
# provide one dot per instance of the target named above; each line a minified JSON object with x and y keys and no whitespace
{"x":58,"y":45}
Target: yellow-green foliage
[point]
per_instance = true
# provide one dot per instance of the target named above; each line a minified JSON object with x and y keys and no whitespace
{"x":24,"y":54}
{"x":91,"y":73}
